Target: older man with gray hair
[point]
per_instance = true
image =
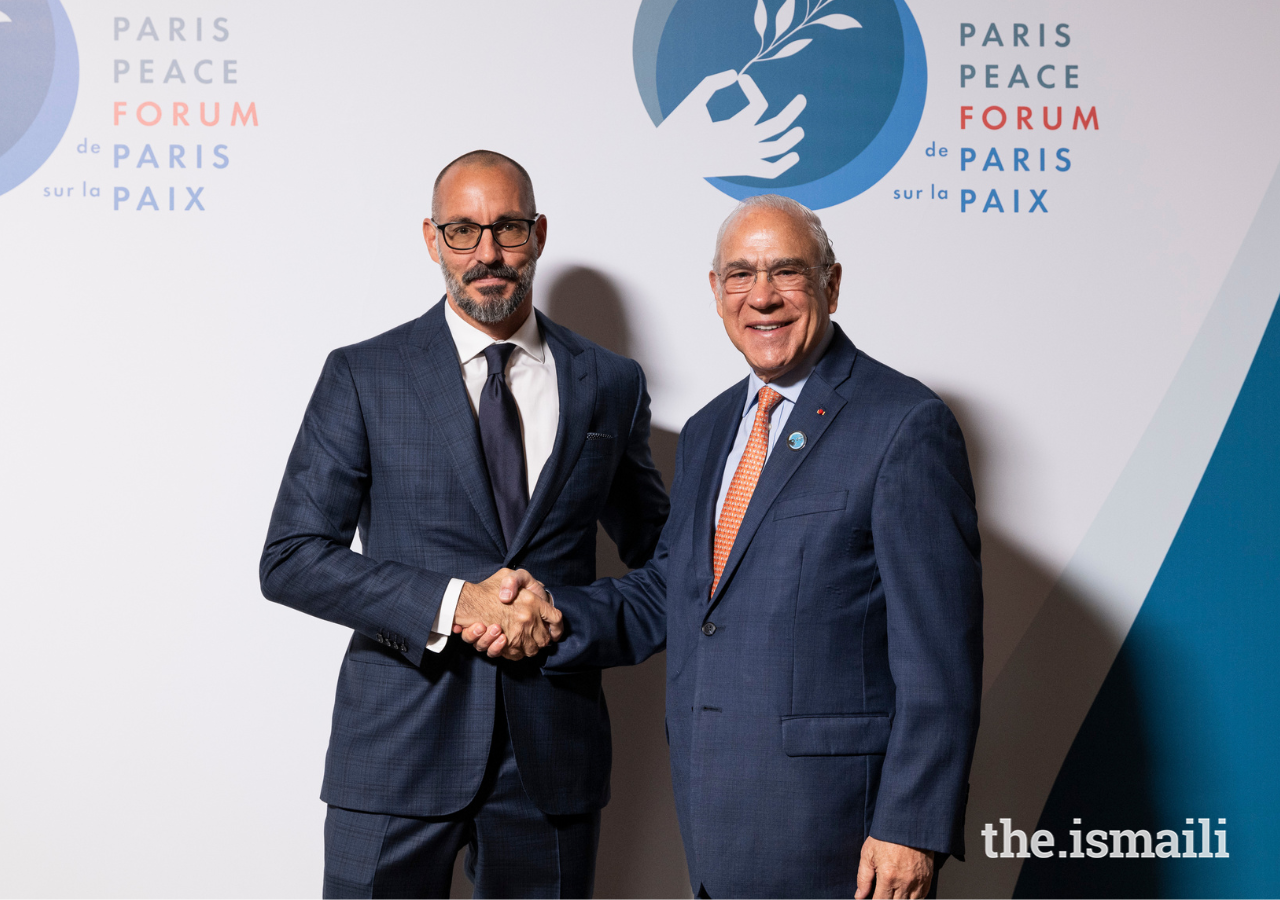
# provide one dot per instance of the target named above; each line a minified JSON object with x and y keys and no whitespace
{"x":819,"y":594}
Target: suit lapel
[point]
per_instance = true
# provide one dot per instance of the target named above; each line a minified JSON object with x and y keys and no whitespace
{"x":432,"y":359}
{"x":725,"y":425}
{"x":576,"y":385}
{"x":819,"y":393}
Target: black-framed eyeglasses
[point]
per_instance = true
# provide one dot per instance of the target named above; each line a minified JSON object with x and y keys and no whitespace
{"x":507,"y":233}
{"x":784,"y":277}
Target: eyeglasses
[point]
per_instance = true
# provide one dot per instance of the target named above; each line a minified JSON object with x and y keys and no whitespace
{"x":783,"y":277}
{"x":507,"y":233}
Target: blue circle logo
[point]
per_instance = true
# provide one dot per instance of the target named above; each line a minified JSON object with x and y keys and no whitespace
{"x":39,"y":78}
{"x":813,"y":99}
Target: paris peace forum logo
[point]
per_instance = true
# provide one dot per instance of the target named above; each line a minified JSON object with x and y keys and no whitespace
{"x":39,"y":78}
{"x":813,"y":99}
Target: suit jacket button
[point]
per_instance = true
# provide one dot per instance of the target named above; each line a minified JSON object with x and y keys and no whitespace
{"x":709,"y":629}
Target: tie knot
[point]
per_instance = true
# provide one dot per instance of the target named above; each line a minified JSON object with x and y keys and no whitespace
{"x":767,"y":399}
{"x":497,"y":356}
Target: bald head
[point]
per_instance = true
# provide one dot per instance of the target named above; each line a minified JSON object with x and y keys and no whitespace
{"x":486,"y":159}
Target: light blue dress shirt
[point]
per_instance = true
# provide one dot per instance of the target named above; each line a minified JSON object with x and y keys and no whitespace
{"x":789,"y":386}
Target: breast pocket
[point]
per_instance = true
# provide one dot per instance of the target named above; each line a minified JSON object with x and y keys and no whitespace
{"x":809,"y":504}
{"x":597,"y":444}
{"x":589,"y":481}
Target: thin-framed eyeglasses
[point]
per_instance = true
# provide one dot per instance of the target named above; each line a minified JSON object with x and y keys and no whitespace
{"x":784,"y":277}
{"x":507,"y":233}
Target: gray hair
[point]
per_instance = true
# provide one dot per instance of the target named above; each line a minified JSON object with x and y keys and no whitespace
{"x":823,"y":251}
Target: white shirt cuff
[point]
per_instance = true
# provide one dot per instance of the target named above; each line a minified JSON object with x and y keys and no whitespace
{"x":442,"y":627}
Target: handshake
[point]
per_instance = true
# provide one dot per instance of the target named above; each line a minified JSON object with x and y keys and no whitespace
{"x":509,"y":614}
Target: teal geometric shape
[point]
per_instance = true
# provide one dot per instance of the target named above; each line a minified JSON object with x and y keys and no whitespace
{"x":1187,"y":723}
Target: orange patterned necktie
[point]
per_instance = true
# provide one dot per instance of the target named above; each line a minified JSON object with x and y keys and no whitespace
{"x":744,"y":482}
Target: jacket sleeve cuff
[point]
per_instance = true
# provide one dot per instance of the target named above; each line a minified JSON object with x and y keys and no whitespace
{"x":921,"y":835}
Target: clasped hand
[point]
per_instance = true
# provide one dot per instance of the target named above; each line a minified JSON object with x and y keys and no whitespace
{"x":509,"y":614}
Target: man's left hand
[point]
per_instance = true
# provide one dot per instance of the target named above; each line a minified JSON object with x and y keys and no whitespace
{"x":895,"y":870}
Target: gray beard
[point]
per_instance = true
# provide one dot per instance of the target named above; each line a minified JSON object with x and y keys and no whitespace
{"x":490,"y":308}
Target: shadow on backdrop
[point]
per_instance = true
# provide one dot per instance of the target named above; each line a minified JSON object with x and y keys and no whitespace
{"x":641,"y":854}
{"x":1047,"y":654}
{"x":1104,"y":784}
{"x":640,"y":850}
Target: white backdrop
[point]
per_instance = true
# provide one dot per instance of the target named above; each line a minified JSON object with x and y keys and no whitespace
{"x":164,"y":725}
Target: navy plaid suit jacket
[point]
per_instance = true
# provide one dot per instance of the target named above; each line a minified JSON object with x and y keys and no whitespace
{"x":830,"y":688}
{"x":389,"y":445}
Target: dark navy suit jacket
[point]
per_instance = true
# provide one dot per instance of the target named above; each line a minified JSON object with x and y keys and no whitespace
{"x":830,"y":688}
{"x":389,"y":445}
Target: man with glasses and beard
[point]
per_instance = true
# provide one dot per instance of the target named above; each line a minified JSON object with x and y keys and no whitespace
{"x":477,"y":437}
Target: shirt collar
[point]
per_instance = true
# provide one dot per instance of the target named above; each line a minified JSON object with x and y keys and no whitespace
{"x":792,"y":384}
{"x":471,"y":341}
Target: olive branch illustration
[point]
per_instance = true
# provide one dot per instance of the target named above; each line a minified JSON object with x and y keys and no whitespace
{"x":783,"y":32}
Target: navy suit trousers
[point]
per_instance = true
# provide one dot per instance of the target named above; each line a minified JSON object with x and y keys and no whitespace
{"x":513,"y":848}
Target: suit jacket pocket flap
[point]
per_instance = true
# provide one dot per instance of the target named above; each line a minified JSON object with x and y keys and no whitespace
{"x":835,"y":735}
{"x":810,"y":503}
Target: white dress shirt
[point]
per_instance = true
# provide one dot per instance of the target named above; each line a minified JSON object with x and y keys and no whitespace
{"x":789,"y":386}
{"x":531,"y":378}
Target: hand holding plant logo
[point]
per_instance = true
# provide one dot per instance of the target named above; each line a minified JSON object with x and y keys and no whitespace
{"x":743,"y":145}
{"x":782,"y":36}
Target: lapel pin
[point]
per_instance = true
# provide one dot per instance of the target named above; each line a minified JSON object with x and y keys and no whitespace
{"x":821,"y":411}
{"x":795,"y":440}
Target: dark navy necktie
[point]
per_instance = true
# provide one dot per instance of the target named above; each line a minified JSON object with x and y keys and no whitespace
{"x":503,"y":446}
